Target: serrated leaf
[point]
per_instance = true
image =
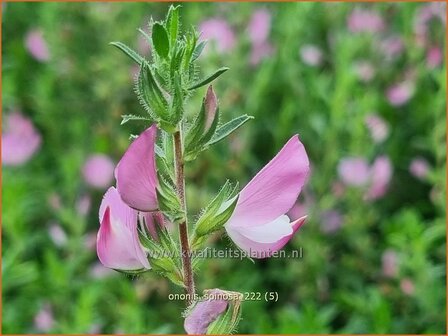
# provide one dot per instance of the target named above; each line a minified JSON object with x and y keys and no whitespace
{"x":128,"y":117}
{"x":160,"y":40}
{"x":229,"y":127}
{"x":128,"y":52}
{"x":177,"y":105}
{"x":209,"y":79}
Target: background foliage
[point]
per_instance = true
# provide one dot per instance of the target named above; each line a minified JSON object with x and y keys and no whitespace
{"x":76,"y":100}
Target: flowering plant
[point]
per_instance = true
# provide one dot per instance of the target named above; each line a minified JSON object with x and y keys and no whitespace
{"x":134,"y":235}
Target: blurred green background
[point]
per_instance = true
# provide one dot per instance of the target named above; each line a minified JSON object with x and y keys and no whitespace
{"x":354,"y":80}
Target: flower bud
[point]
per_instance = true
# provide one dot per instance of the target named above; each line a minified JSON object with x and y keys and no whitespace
{"x":211,"y":106}
{"x":217,"y":313}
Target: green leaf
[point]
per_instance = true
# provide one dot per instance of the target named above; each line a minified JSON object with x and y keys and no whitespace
{"x":160,"y":40}
{"x":229,"y":127}
{"x":151,"y":93}
{"x":128,"y":117}
{"x":172,"y":23}
{"x":208,"y":79}
{"x":198,"y":50}
{"x":129,"y":52}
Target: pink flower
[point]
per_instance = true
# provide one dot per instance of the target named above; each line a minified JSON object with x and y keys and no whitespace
{"x":399,"y":94}
{"x":363,"y":20}
{"x":118,"y":244}
{"x":434,"y":57}
{"x":407,"y":286}
{"x":37,"y":46}
{"x":57,"y":234}
{"x":392,"y":47}
{"x":259,"y":26}
{"x":98,"y":171}
{"x":219,"y":31}
{"x":44,"y":320}
{"x":136,"y":173}
{"x":379,"y":130}
{"x":390,"y":263}
{"x":311,"y":55}
{"x":380,"y":176}
{"x":258,"y":224}
{"x":20,"y":140}
{"x":419,"y":167}
{"x":354,"y":171}
{"x":203,"y":313}
{"x":365,"y":71}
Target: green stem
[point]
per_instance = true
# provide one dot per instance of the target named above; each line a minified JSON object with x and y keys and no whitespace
{"x":183,"y":226}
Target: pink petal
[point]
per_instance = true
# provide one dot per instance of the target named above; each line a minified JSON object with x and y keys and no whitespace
{"x":274,"y":190}
{"x":37,"y":46}
{"x":136,"y":173}
{"x":118,"y":246}
{"x":258,"y":249}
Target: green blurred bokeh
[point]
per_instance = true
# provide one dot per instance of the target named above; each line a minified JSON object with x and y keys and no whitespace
{"x":76,"y":100}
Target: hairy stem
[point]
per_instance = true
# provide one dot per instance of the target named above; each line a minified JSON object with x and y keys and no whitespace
{"x":183,"y":226}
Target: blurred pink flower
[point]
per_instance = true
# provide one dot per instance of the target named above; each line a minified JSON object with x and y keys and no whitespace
{"x":20,"y":140}
{"x":434,"y":57}
{"x":364,"y":20}
{"x":389,"y":263}
{"x":44,"y":320}
{"x":354,"y":171}
{"x":57,"y":234}
{"x":380,"y":176}
{"x":365,"y":71}
{"x":83,"y":205}
{"x":331,"y":221}
{"x":419,"y":167}
{"x":392,"y":47}
{"x":37,"y":46}
{"x":259,"y":26}
{"x":203,"y":313}
{"x":427,"y":13}
{"x":407,"y":286}
{"x":259,"y":224}
{"x":219,"y":31}
{"x":400,"y":93}
{"x":98,"y":171}
{"x":378,"y":128}
{"x":299,"y":209}
{"x":311,"y":55}
{"x":260,"y":51}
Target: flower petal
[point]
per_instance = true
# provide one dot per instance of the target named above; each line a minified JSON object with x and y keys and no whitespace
{"x":118,"y":244}
{"x":258,"y":249}
{"x":274,"y":190}
{"x":136,"y":173}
